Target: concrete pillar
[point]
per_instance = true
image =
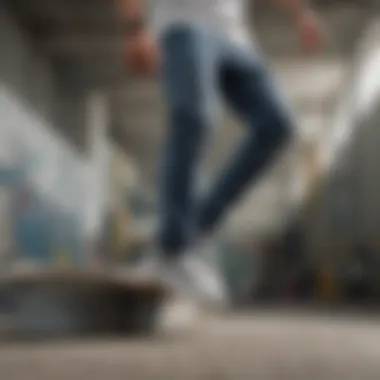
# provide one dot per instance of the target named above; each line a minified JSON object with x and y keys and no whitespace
{"x":97,"y":168}
{"x":367,"y":147}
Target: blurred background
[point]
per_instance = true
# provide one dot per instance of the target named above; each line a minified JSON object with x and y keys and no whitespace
{"x":79,"y":140}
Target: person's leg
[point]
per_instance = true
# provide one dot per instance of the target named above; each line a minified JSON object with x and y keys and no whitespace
{"x":188,"y":76}
{"x":249,"y":89}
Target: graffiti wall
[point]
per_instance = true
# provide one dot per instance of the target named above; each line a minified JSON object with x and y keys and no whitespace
{"x":42,"y":189}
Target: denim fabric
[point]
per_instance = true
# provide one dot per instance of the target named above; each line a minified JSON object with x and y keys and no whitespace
{"x":198,"y":69}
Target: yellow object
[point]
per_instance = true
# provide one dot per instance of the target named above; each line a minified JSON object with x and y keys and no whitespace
{"x":119,"y":235}
{"x":327,"y":285}
{"x":122,"y":178}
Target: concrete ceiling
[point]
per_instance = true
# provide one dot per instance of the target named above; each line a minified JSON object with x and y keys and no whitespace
{"x":88,"y":34}
{"x":86,"y":38}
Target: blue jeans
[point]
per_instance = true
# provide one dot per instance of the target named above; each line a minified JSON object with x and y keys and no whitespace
{"x":198,"y":67}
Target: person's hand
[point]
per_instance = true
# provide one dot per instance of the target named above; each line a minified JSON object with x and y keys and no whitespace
{"x":140,"y":54}
{"x":310,"y":31}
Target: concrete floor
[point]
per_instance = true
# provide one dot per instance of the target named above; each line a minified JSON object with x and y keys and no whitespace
{"x":260,"y":347}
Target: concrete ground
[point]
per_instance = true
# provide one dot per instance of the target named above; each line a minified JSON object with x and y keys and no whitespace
{"x":265,"y":346}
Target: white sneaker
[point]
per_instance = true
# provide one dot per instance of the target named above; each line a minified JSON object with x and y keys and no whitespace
{"x":196,"y":286}
{"x":178,"y":315}
{"x":196,"y":274}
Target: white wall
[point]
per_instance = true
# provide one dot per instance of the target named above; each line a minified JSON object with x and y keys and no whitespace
{"x":369,"y":86}
{"x":54,"y":168}
{"x":349,"y":207}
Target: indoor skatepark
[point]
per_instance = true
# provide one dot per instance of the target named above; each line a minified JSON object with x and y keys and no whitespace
{"x":77,"y":208}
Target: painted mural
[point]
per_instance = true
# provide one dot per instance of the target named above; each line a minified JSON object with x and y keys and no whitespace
{"x":43,"y":231}
{"x":43,"y":191}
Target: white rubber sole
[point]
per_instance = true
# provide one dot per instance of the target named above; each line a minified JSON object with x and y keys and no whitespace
{"x":179,"y":317}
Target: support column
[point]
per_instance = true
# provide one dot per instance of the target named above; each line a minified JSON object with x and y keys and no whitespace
{"x":96,"y":182}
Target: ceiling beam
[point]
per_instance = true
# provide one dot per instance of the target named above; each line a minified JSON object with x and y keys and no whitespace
{"x":101,"y":45}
